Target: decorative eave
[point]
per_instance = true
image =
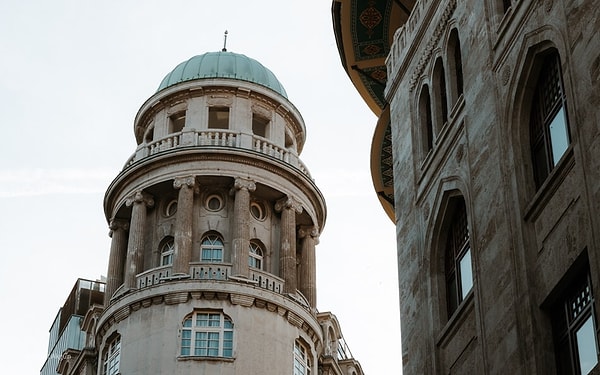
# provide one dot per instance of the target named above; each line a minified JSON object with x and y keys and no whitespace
{"x":364,"y":32}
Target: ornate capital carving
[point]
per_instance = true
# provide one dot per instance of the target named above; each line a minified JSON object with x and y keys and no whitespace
{"x":189,"y":181}
{"x":244,"y":183}
{"x":140,"y":197}
{"x":289,"y":202}
{"x":116,"y":224}
{"x":308,"y":230}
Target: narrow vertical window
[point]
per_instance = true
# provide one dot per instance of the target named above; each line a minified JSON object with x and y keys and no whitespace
{"x":574,"y":326}
{"x":455,"y":67}
{"x":426,"y":119}
{"x":302,"y":363}
{"x":549,"y":131}
{"x":459,"y":270}
{"x":441,"y":96}
{"x":259,"y":125}
{"x":112,"y":357}
{"x":177,"y":122}
{"x":255,"y":259}
{"x":166,"y":252}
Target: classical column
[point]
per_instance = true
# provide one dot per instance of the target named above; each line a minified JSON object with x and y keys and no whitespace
{"x":182,"y":254}
{"x":241,"y":226}
{"x":308,"y":265}
{"x":135,"y":247}
{"x":288,"y":207}
{"x":118,"y":252}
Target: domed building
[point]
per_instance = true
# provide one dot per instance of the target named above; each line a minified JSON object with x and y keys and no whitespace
{"x":214,"y":222}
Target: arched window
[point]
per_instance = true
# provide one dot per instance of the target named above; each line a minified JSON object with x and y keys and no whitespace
{"x":302,"y":363}
{"x":166,"y":251}
{"x":426,"y":119}
{"x":212,"y":248}
{"x":111,"y":358}
{"x":207,"y":334}
{"x":548,"y":128}
{"x":455,"y":66}
{"x":458,"y":264}
{"x":255,"y":260}
{"x":441,"y":96}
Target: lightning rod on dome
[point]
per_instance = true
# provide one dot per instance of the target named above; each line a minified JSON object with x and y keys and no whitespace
{"x":225,"y":42}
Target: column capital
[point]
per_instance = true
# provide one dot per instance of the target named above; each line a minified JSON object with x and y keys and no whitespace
{"x":116,"y":224}
{"x":309,"y":231}
{"x":189,"y":181}
{"x":244,"y":183}
{"x":140,"y":197}
{"x":288,"y":202}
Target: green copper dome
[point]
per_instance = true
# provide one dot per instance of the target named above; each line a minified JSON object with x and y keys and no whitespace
{"x":223,"y":65}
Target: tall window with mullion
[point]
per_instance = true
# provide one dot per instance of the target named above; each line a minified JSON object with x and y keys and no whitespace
{"x":549,"y":130}
{"x":302,"y":363}
{"x":212,"y":248}
{"x":207,"y":334}
{"x":459,"y":271}
{"x":112,"y":357}
{"x":575,"y":328}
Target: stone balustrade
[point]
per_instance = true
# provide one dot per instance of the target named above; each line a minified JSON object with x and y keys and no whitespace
{"x":212,"y":272}
{"x":216,"y":138}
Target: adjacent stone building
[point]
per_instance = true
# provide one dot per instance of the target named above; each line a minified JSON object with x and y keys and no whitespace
{"x":487,"y":157}
{"x":214,"y":223}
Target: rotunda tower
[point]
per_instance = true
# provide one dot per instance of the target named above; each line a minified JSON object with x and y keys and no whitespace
{"x":214,"y":221}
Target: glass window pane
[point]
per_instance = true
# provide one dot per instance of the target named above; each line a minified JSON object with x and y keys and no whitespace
{"x":466,"y":274}
{"x":559,"y":136}
{"x":586,"y":345}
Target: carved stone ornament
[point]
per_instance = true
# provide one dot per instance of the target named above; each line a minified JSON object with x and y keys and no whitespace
{"x":140,"y":197}
{"x":290,"y":203}
{"x":244,"y":183}
{"x":189,"y":181}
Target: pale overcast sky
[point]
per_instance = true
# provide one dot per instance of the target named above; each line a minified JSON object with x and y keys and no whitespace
{"x":73,"y":76}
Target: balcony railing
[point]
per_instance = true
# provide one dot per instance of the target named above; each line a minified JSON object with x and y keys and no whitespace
{"x":217,"y":138}
{"x":212,"y":272}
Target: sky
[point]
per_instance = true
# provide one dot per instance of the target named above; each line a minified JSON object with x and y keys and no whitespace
{"x":73,"y":75}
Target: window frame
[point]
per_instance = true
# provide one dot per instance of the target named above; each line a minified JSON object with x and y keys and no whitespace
{"x":214,"y":122}
{"x":544,"y":113}
{"x":201,"y":330}
{"x":212,"y":242}
{"x":256,"y":255}
{"x":457,"y":251}
{"x":167,"y":250}
{"x":566,"y":323}
{"x":111,"y":359}
{"x":302,"y":360}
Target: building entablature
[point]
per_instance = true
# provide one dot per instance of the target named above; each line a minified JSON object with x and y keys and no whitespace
{"x":256,"y":294}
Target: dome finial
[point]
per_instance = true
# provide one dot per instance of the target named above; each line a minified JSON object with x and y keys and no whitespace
{"x":225,"y":42}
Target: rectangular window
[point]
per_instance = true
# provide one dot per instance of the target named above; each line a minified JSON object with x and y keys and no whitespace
{"x":218,"y":118}
{"x":210,"y":334}
{"x":301,"y":360}
{"x":176,"y":122}
{"x":259,"y":125}
{"x":574,"y":326}
{"x":112,"y":357}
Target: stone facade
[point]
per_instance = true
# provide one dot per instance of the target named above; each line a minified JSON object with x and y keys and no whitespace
{"x":461,"y":85}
